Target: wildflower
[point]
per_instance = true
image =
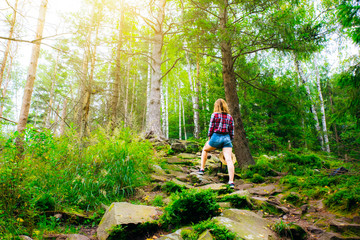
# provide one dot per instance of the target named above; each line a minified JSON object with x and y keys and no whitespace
{"x":19,"y":220}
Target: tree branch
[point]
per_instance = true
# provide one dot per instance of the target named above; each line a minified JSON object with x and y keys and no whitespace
{"x":170,"y":68}
{"x":8,"y":120}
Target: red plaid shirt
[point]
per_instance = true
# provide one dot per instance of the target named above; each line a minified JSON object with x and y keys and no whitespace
{"x":221,"y":123}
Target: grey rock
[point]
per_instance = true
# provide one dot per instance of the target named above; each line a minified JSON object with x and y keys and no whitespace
{"x":186,"y":185}
{"x":120,"y":213}
{"x":24,"y":237}
{"x":345,"y":227}
{"x":263,"y":191}
{"x":206,"y":236}
{"x":335,"y":236}
{"x":187,"y":156}
{"x":215,"y":187}
{"x":224,"y":204}
{"x":246,"y":224}
{"x":178,"y":147}
{"x":315,"y":230}
{"x":77,"y":237}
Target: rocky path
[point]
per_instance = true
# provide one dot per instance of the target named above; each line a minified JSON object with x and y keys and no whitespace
{"x":181,"y":169}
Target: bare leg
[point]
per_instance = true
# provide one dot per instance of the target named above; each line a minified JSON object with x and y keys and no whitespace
{"x":207,"y":148}
{"x":230,"y":165}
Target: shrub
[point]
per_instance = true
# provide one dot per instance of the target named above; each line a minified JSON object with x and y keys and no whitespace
{"x":237,"y":201}
{"x":190,"y":206}
{"x":171,"y":187}
{"x":257,"y":178}
{"x":218,"y":232}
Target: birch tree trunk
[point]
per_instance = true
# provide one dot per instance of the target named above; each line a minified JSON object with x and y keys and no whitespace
{"x":322,"y":107}
{"x":29,"y":86}
{"x":7,"y":50}
{"x":4,"y":87}
{"x":313,"y":110}
{"x":148,"y":86}
{"x":240,"y":142}
{"x":179,"y":102}
{"x":163,"y":110}
{"x":167,"y":110}
{"x":153,"y":123}
{"x":183,"y":113}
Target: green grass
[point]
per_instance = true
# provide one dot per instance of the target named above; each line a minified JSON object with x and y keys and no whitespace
{"x":56,"y":174}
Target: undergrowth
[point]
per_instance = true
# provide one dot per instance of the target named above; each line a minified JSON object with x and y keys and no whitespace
{"x":311,"y":176}
{"x":65,"y":174}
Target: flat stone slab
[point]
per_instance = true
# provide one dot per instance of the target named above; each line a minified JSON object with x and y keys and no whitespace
{"x":122,"y":213}
{"x":176,"y":160}
{"x":156,"y":178}
{"x":263,"y":191}
{"x":214,"y":186}
{"x":246,"y":224}
{"x":187,"y":156}
{"x":241,"y":193}
{"x":174,"y":180}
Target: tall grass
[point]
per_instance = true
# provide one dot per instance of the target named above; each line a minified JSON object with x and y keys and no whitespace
{"x":62,"y":173}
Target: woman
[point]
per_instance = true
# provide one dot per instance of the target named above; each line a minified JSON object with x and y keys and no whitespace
{"x":221,"y":133}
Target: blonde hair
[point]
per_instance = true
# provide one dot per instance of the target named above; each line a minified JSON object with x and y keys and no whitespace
{"x":220,"y":106}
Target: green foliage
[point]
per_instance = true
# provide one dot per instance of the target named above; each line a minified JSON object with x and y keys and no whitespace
{"x":158,"y":201}
{"x":171,"y":187}
{"x":257,"y":178}
{"x":218,"y":232}
{"x":61,"y":173}
{"x":132,"y":231}
{"x":237,"y":201}
{"x":289,"y":230}
{"x":190,"y":206}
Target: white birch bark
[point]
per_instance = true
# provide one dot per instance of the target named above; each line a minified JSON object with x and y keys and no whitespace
{"x":167,"y":110}
{"x":153,"y":123}
{"x":183,"y":113}
{"x":313,"y":110}
{"x":179,"y":102}
{"x":148,"y":86}
{"x":163,"y":110}
{"x":7,"y":50}
{"x":322,"y":107}
{"x":29,"y":86}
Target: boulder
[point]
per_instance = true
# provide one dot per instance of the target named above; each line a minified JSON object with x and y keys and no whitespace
{"x":336,"y":236}
{"x":246,"y":224}
{"x":123,"y":213}
{"x":342,"y":227}
{"x":176,"y":160}
{"x":175,"y":235}
{"x":263,"y":190}
{"x":77,"y":237}
{"x":215,"y":186}
{"x":191,"y":147}
{"x":206,"y":236}
{"x":178,"y":146}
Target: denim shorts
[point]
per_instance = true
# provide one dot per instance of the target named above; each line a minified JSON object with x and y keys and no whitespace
{"x":220,"y":140}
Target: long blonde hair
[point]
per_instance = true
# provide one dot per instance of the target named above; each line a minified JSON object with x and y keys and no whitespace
{"x":220,"y":106}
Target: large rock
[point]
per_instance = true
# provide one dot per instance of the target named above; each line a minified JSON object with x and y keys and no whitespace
{"x":178,"y":146}
{"x":77,"y":237}
{"x":246,"y":224}
{"x":263,"y":191}
{"x":215,"y":186}
{"x":343,"y":227}
{"x":175,"y":235}
{"x":122,"y":213}
{"x":187,"y":156}
{"x":206,"y":236}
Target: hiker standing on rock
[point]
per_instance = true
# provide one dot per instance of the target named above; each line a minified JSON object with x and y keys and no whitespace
{"x":221,"y":133}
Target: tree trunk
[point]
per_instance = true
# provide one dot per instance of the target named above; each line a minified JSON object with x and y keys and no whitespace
{"x":240,"y":142}
{"x":52,"y":92}
{"x":148,"y":86}
{"x":196,"y":100}
{"x":183,"y":113}
{"x":63,"y":118}
{"x":153,"y":123}
{"x":117,"y":70}
{"x":7,"y":50}
{"x":322,"y":107}
{"x":127,"y":93}
{"x":4,"y":88}
{"x":179,"y":102}
{"x":313,"y":110}
{"x":29,"y":86}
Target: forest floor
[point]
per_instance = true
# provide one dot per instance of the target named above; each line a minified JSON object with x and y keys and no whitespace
{"x":181,"y":170}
